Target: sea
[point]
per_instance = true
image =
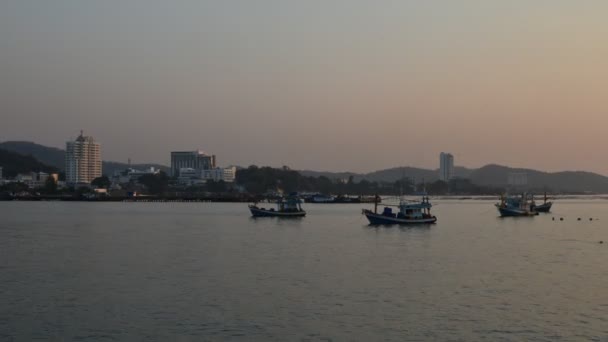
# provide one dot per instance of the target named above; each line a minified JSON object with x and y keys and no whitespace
{"x":80,"y":271}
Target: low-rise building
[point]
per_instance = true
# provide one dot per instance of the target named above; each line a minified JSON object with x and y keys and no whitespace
{"x":35,"y":179}
{"x":227,"y":174}
{"x":131,"y":175}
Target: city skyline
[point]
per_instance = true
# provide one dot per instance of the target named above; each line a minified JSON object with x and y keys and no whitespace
{"x":312,"y":85}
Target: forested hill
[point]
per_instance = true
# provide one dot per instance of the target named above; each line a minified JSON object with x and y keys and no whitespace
{"x":13,"y":163}
{"x":56,"y":157}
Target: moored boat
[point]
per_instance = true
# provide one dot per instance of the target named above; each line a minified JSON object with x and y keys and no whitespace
{"x":543,"y":208}
{"x":410,"y":212}
{"x":290,"y":206}
{"x":516,"y":206}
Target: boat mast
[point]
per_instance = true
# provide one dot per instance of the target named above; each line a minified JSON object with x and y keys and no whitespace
{"x":376,"y":204}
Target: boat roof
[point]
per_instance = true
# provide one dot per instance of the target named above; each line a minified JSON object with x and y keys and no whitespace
{"x":420,"y":205}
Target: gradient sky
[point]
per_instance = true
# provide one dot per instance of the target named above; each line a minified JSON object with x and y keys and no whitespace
{"x":325,"y":85}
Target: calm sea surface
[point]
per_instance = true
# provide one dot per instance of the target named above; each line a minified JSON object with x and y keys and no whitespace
{"x":207,"y":271}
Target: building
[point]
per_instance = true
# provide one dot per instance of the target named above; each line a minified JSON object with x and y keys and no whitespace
{"x":446,"y":166}
{"x":0,"y":172}
{"x":196,"y":160}
{"x":35,"y":179}
{"x":190,"y":176}
{"x":82,"y":160}
{"x":217,"y":174}
{"x":131,"y":175}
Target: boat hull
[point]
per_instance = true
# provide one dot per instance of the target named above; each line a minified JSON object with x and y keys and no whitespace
{"x":257,"y":212}
{"x":543,"y":208}
{"x":515,"y":212}
{"x":379,"y":219}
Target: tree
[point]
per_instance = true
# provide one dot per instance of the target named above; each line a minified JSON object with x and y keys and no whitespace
{"x":102,"y":182}
{"x":50,"y":185}
{"x":213,"y":186}
{"x":155,"y":183}
{"x":437,"y":188}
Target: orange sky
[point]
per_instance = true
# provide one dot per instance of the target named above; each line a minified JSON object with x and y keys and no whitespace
{"x":341,"y":85}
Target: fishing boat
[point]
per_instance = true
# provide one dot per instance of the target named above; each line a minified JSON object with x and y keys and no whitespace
{"x":545,"y":207}
{"x":320,"y":198}
{"x":516,"y":206}
{"x":409,"y":212}
{"x":290,"y":206}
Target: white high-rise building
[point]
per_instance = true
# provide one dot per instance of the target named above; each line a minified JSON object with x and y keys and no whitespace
{"x":446,"y":166}
{"x":82,"y":160}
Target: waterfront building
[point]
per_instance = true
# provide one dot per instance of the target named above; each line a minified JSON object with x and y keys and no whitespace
{"x":227,"y":174}
{"x":446,"y":166}
{"x":190,"y":176}
{"x":131,"y":175}
{"x":196,"y":160}
{"x":82,"y":160}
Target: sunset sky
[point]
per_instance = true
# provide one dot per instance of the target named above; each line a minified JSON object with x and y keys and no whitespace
{"x":325,"y":85}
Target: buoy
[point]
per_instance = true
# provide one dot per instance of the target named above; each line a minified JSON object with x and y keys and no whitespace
{"x":601,"y":241}
{"x":591,"y":219}
{"x":553,"y":218}
{"x":561,"y":218}
{"x":579,"y":219}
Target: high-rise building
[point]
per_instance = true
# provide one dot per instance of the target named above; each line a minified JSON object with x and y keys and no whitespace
{"x":196,"y":160}
{"x":446,"y":166}
{"x":82,"y":160}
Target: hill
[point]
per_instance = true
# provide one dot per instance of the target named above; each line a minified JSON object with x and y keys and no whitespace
{"x":391,"y":175}
{"x":48,"y":155}
{"x":565,"y":181}
{"x":13,"y":163}
{"x":55,"y":157}
{"x":490,"y":175}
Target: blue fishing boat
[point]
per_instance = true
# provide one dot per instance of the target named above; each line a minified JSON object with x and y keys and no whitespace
{"x":516,"y":206}
{"x":409,"y":212}
{"x":290,"y":206}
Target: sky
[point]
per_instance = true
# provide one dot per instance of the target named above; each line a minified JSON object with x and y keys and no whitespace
{"x":324,"y":85}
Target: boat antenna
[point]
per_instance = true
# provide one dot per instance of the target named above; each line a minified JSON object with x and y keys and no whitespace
{"x":423,"y":187}
{"x":401,"y":183}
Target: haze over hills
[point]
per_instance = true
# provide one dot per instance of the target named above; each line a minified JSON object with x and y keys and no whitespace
{"x":489,"y":175}
{"x":56,"y":157}
{"x":391,"y":175}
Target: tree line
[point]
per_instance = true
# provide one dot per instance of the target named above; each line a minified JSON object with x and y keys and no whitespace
{"x":259,"y":180}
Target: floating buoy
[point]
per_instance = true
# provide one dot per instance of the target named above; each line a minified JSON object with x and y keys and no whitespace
{"x":601,"y":241}
{"x":591,"y":219}
{"x":579,"y":219}
{"x":561,"y":218}
{"x":553,"y":218}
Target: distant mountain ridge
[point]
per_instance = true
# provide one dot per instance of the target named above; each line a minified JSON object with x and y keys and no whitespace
{"x":391,"y":175}
{"x":489,"y":175}
{"x":55,"y":157}
{"x":563,"y":181}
